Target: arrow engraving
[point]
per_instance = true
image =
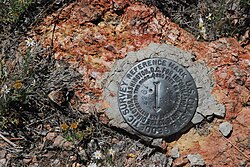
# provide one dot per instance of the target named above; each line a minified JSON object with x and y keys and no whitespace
{"x":156,"y":107}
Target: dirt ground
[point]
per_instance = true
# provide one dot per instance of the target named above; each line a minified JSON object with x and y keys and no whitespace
{"x":53,"y":53}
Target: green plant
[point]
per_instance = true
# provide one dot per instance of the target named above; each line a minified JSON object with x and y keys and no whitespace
{"x":10,"y":10}
{"x":16,"y":88}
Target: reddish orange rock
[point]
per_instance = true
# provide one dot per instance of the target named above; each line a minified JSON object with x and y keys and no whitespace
{"x":219,"y":151}
{"x":91,"y":35}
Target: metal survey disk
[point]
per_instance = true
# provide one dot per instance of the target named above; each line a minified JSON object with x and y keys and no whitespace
{"x":157,"y":97}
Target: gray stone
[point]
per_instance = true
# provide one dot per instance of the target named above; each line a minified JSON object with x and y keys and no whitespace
{"x":242,"y":163}
{"x":83,"y":155}
{"x":50,"y":136}
{"x":198,"y":118}
{"x":3,"y":154}
{"x":3,"y":162}
{"x":175,"y":152}
{"x":220,"y":111}
{"x":118,"y":147}
{"x":196,"y":160}
{"x":27,"y":160}
{"x":68,"y":146}
{"x":208,"y":107}
{"x":59,"y":140}
{"x":201,"y":73}
{"x":225,"y":128}
{"x":158,"y":160}
{"x":34,"y":165}
{"x":170,"y":162}
{"x":56,"y":163}
{"x":157,"y":142}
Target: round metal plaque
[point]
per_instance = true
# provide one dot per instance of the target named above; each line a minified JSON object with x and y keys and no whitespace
{"x":157,"y":97}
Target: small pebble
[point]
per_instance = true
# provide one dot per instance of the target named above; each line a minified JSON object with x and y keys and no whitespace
{"x":175,"y":153}
{"x":56,"y":163}
{"x":157,"y":142}
{"x":2,"y":162}
{"x":159,"y":159}
{"x":119,"y":146}
{"x":58,"y":141}
{"x":27,"y":160}
{"x":83,"y":155}
{"x":50,"y":136}
{"x":198,"y":118}
{"x":196,"y":160}
{"x":3,"y":154}
{"x":225,"y":128}
{"x":170,"y":162}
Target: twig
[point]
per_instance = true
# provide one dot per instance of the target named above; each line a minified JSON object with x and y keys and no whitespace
{"x":56,"y":21}
{"x":8,"y":141}
{"x":15,"y":139}
{"x":248,"y":158}
{"x":42,"y":12}
{"x":38,"y":121}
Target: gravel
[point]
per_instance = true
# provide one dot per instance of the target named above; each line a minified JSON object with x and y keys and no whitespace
{"x":158,"y":159}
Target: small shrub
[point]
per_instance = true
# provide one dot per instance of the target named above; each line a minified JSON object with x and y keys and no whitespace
{"x":16,"y":88}
{"x":10,"y":10}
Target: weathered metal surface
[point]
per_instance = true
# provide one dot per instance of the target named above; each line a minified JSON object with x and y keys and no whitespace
{"x":157,"y":97}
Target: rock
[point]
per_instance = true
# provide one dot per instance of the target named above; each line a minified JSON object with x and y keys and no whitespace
{"x":50,"y":136}
{"x":219,"y":110}
{"x":182,"y":161}
{"x":58,"y":141}
{"x":67,"y":145}
{"x":27,"y":160}
{"x":119,"y":146}
{"x":198,"y":118}
{"x":34,"y":165}
{"x":158,"y":160}
{"x":83,"y":155}
{"x":3,"y":154}
{"x":196,"y":160}
{"x":222,"y":56}
{"x":2,"y":162}
{"x":225,"y":128}
{"x":175,"y":152}
{"x":56,"y":163}
{"x":170,"y":162}
{"x":157,"y":142}
{"x":208,"y":107}
{"x":57,"y":96}
{"x":242,"y":163}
